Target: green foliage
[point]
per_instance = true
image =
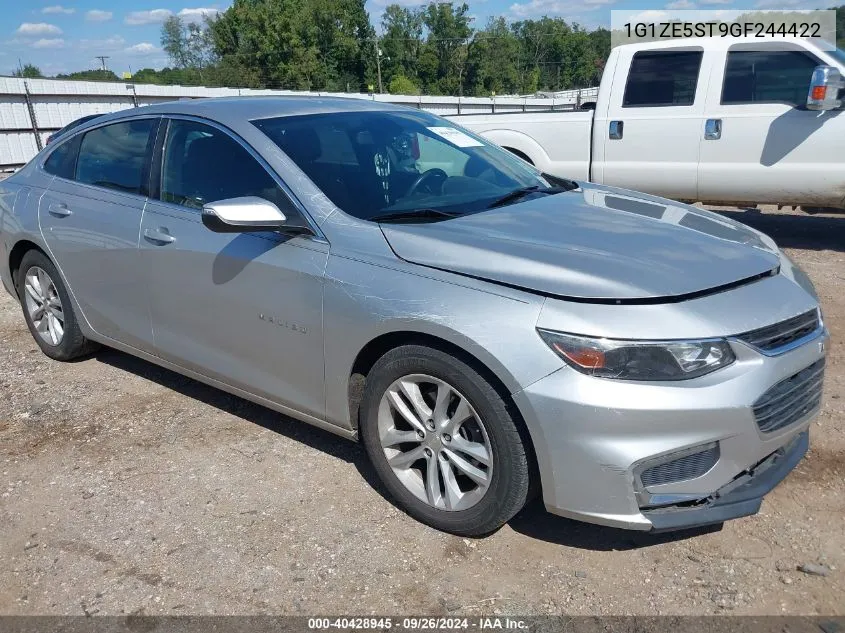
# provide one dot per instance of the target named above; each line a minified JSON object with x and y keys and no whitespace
{"x":331,"y":45}
{"x":29,"y":71}
{"x":401,"y":85}
{"x":188,"y":45}
{"x":91,"y":75}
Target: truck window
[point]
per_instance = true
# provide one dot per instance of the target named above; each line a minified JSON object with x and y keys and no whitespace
{"x":767,"y":77}
{"x":662,"y":78}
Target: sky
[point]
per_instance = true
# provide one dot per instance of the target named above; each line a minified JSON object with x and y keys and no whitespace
{"x":67,"y":37}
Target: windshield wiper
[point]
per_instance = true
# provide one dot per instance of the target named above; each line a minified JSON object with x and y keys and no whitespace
{"x":516,"y":194}
{"x":414,"y":214}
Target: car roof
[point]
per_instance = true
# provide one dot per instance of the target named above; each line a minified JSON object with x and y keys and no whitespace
{"x":234,"y":110}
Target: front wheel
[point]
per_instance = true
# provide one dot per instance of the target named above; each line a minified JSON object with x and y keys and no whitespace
{"x":443,"y":441}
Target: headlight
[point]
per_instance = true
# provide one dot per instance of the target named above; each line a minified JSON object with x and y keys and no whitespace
{"x":639,"y":360}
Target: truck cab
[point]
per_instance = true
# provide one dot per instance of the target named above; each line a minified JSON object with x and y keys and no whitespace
{"x":712,"y":120}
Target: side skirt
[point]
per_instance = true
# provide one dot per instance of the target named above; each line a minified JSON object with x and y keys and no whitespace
{"x":235,"y":391}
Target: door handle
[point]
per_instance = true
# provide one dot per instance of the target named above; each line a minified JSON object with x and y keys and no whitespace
{"x":59,"y":209}
{"x":616,"y":129}
{"x":712,"y":129}
{"x":159,"y":236}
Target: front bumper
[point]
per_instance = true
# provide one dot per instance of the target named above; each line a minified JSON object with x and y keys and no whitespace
{"x":593,"y":436}
{"x":742,"y":497}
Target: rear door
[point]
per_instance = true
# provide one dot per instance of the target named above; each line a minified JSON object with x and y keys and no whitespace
{"x":769,"y":148}
{"x":90,"y":217}
{"x":647,"y":139}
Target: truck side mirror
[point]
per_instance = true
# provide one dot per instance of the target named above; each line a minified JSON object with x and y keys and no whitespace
{"x":824,"y":89}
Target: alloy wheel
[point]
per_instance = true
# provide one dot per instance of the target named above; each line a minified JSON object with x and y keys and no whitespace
{"x":435,"y":442}
{"x":44,"y":306}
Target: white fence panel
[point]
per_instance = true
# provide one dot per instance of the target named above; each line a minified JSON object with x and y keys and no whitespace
{"x":31,"y":109}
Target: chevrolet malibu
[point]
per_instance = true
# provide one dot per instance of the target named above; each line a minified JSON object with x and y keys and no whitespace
{"x":489,"y":332}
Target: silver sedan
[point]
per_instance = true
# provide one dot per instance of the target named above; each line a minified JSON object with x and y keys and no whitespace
{"x":487,"y":331}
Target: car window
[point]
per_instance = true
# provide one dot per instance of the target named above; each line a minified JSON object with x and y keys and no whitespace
{"x":113,"y":156}
{"x":767,"y":77}
{"x":662,"y":78}
{"x":202,"y":164}
{"x":373,"y":162}
{"x":62,"y":162}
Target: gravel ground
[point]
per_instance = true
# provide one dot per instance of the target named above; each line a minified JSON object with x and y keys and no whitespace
{"x":126,"y":488}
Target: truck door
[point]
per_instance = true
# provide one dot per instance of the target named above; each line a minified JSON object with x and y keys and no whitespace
{"x":648,"y":137}
{"x":759,"y":143}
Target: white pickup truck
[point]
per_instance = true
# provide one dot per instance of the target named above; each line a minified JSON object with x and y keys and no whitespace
{"x":729,"y":121}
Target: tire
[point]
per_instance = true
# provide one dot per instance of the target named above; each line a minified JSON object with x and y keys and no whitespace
{"x":71,"y":344}
{"x":491,"y":424}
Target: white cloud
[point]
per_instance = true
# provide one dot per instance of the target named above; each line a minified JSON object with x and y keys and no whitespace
{"x":57,"y":8}
{"x":647,"y":17}
{"x":144,"y":48}
{"x":156,"y":16}
{"x":681,"y":4}
{"x":98,"y":15}
{"x":555,"y":7}
{"x":56,"y":42}
{"x":714,"y":1}
{"x":198,"y":14}
{"x":38,"y":28}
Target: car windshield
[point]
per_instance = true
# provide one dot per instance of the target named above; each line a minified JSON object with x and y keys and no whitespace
{"x":376,"y":163}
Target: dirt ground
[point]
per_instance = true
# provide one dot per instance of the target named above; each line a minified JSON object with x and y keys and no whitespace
{"x":126,"y":488}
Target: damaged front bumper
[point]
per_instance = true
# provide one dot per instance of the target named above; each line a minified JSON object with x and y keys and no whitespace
{"x":742,"y":497}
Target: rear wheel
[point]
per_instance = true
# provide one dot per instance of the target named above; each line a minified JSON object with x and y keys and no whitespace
{"x":443,"y":441}
{"x":48,"y":310}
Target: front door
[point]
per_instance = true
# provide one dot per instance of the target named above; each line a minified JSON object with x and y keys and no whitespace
{"x":244,"y":308}
{"x":90,"y":217}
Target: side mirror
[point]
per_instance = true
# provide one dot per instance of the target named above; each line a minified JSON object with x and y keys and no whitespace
{"x":824,"y":89}
{"x":241,"y":215}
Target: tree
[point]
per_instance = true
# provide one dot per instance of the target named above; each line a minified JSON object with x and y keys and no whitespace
{"x":331,"y":45}
{"x":401,"y":85}
{"x":401,"y":41}
{"x":188,"y":45}
{"x":449,"y":32}
{"x":299,"y":44}
{"x":29,"y":71}
{"x":90,"y":75}
{"x":493,"y":58}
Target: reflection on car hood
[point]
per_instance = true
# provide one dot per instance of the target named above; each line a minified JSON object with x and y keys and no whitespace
{"x":594,"y":243}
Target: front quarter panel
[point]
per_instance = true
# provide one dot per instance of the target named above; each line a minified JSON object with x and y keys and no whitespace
{"x":366,"y":297}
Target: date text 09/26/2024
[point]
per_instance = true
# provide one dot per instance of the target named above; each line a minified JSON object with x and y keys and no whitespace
{"x":418,"y":623}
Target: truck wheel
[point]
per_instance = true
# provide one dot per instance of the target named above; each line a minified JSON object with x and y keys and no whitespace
{"x":443,"y":441}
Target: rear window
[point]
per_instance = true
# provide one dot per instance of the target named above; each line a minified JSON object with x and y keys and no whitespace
{"x":662,"y":78}
{"x":767,"y":77}
{"x":62,"y":162}
{"x":113,"y":156}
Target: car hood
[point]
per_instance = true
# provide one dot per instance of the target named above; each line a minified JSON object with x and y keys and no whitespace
{"x":592,"y":243}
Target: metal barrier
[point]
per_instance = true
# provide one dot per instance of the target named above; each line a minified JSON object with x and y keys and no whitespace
{"x":32,"y":109}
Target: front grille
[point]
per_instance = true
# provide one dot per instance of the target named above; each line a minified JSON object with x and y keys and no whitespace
{"x":790,"y":400}
{"x":775,"y":336}
{"x":681,"y":469}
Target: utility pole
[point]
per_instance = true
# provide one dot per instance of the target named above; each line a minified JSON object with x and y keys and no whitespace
{"x":102,"y":59}
{"x":378,"y":66}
